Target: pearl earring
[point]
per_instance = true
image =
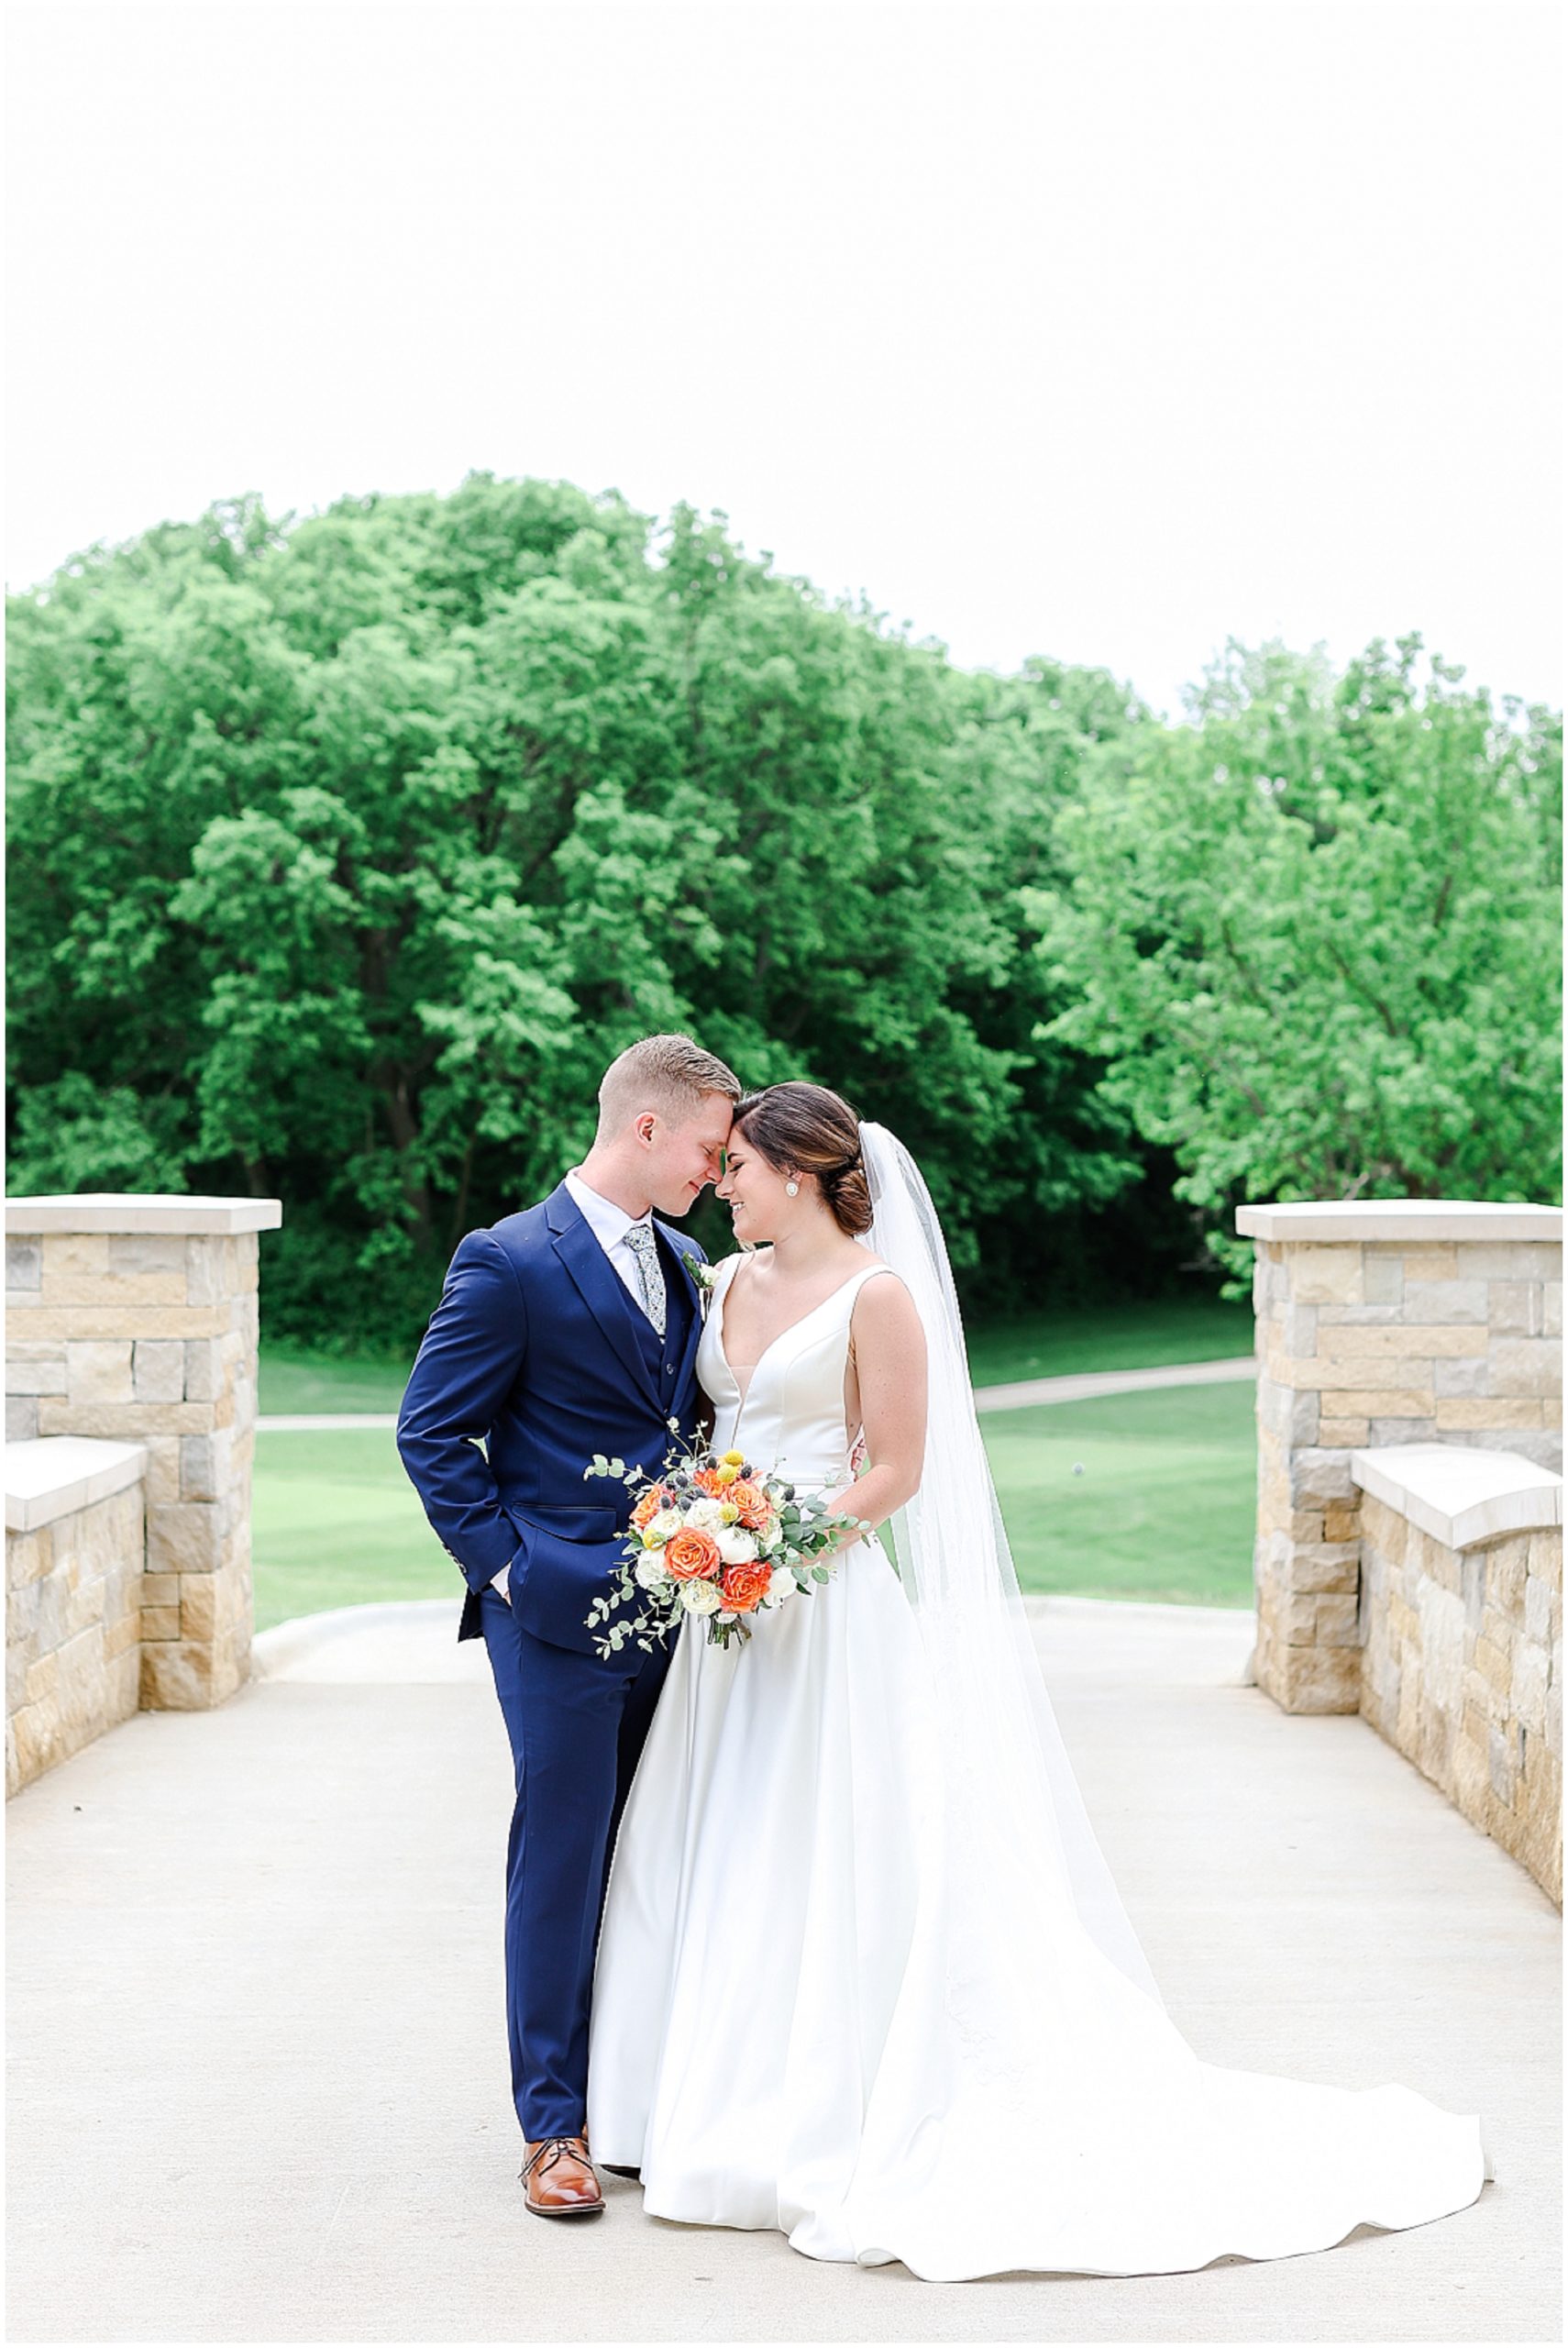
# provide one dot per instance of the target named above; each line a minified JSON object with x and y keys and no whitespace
{"x":792,"y":1190}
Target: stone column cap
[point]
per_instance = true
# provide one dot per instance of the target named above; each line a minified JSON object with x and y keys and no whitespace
{"x":141,"y":1211}
{"x":1416,"y":1221}
{"x":57,"y":1473}
{"x":1461,"y":1494}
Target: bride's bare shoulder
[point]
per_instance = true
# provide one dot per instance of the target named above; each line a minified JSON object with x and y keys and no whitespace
{"x":884,"y":1303}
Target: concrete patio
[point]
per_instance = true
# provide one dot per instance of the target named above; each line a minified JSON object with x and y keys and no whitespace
{"x":258,"y":2087}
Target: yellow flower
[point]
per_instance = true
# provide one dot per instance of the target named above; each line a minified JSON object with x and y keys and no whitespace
{"x":731,"y":1459}
{"x":728,"y":1475}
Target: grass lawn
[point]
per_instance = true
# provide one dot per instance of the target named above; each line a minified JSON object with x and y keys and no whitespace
{"x":1039,"y":1344}
{"x":1161,"y":1510}
{"x":1059,"y":1343}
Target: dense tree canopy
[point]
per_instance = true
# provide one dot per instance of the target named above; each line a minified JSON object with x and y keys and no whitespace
{"x":344,"y":855}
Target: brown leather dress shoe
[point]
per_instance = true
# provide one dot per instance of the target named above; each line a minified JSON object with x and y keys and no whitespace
{"x":559,"y":2180}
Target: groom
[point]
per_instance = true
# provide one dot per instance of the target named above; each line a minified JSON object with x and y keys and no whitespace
{"x":568,"y":1329}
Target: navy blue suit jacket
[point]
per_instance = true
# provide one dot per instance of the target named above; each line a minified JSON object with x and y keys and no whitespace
{"x":535,"y":1349}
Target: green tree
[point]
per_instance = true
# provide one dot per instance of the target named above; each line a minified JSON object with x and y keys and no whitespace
{"x":345,"y":854}
{"x":1314,"y":933}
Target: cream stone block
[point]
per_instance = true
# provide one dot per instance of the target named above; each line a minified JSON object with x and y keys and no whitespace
{"x":123,"y":1636}
{"x":1546,"y":1558}
{"x":97,"y":1371}
{"x":1466,"y":1374}
{"x":1527,"y":1365}
{"x":1348,"y":1434}
{"x":24,"y":1265}
{"x":1335,"y":1374}
{"x":1336,"y":1624}
{"x":1373,"y":1402}
{"x":1551,"y":1308}
{"x":1459,"y":1411}
{"x":1528,"y":1691}
{"x":1542,"y":1611}
{"x":1506,"y":1570}
{"x":162,"y":1484}
{"x":1318,"y":1475}
{"x":1402,"y":1342}
{"x":198,"y":1606}
{"x":1382,"y":1274}
{"x":81,"y":1321}
{"x":1492,"y":1663}
{"x":146,"y":1251}
{"x":185,"y":1539}
{"x":132,"y":1421}
{"x":159,"y":1622}
{"x":1323,"y":1679}
{"x":1438,"y":1262}
{"x":1324,"y":1564}
{"x":74,"y":1256}
{"x":158,"y":1369}
{"x":1443,"y":1302}
{"x":176,"y":1678}
{"x":35,"y":1368}
{"x":1324,"y":1275}
{"x":205,"y":1467}
{"x":1517,"y":1308}
{"x":42,"y":1681}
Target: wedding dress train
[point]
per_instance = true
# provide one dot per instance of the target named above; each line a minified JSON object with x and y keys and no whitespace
{"x":822,"y":2006}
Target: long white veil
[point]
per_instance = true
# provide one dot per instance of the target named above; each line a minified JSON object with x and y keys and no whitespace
{"x":1007,"y":1786}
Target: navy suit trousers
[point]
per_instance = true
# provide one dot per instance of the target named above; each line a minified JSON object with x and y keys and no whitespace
{"x":577,"y":1725}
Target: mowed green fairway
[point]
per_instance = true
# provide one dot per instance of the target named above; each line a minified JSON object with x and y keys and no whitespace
{"x":1163,"y":1508}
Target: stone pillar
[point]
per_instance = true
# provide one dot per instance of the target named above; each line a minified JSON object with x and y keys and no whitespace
{"x":1382,"y":1322}
{"x":134,"y":1317}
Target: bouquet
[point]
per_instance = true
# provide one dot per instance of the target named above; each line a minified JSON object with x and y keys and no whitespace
{"x":712,"y":1536}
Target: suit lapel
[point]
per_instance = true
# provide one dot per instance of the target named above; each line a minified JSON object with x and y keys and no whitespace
{"x":695,"y":1329}
{"x":599,"y":1287}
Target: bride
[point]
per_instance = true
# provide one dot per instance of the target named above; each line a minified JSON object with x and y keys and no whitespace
{"x":864,"y":1974}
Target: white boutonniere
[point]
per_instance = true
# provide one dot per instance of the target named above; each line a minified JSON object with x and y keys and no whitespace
{"x":706,"y":1279}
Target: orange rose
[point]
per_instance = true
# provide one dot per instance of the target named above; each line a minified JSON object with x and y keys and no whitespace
{"x":650,"y":1505}
{"x":692,"y":1555}
{"x":709,"y":1481}
{"x":753,"y":1504}
{"x":745,"y":1587}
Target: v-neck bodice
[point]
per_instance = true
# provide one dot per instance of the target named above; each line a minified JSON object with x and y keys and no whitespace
{"x":789,"y":1414}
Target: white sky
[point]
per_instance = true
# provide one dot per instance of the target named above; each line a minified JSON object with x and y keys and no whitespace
{"x":1098,"y":330}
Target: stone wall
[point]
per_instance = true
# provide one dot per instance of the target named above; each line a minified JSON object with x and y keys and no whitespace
{"x":74,"y":1537}
{"x":1462,"y":1667}
{"x":1385,"y":1323}
{"x":134,"y":1317}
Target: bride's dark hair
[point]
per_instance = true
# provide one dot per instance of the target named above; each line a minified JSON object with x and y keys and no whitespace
{"x":806,"y":1126}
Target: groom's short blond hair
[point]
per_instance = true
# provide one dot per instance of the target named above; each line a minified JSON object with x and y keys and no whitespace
{"x":668,"y":1073}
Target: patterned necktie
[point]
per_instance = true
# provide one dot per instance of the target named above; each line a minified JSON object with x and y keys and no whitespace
{"x":644,"y":1247}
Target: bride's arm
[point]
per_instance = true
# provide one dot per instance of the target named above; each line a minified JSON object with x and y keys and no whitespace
{"x":889,"y":1356}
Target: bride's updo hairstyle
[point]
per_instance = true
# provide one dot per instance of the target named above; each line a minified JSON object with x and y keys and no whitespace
{"x":808,"y":1128}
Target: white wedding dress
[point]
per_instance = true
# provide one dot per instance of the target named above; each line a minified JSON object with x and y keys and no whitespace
{"x":807,"y":2016}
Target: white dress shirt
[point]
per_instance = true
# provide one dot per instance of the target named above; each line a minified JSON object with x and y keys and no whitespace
{"x":609,"y":1225}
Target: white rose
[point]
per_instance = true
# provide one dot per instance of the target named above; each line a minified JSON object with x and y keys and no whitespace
{"x":736,"y":1547}
{"x":651,"y":1572}
{"x":658,"y":1529}
{"x":707,"y":1515}
{"x":701,"y":1597}
{"x":781,"y":1585}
